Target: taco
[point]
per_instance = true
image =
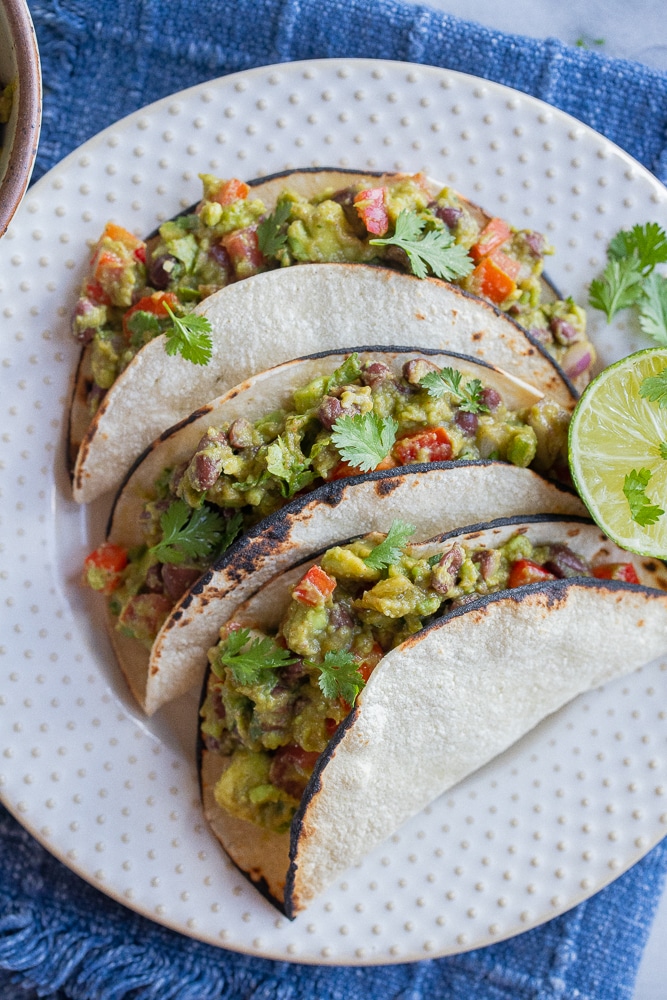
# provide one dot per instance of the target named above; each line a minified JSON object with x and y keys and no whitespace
{"x":459,"y":646}
{"x":286,"y":432}
{"x":119,"y":311}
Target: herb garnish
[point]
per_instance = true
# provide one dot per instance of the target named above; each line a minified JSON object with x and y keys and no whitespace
{"x":249,"y":664}
{"x":654,"y":388}
{"x":364,"y":439}
{"x":449,"y":380}
{"x":629,"y":278}
{"x":189,"y":336}
{"x":436,"y":249}
{"x":271,"y":237}
{"x":189,"y":534}
{"x":339,"y":675}
{"x":642,"y":511}
{"x":389,"y":550}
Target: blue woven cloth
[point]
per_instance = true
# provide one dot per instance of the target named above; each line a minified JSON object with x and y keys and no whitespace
{"x":58,"y":936}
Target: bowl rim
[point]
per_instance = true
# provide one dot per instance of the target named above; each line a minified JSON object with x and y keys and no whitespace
{"x":29,"y":110}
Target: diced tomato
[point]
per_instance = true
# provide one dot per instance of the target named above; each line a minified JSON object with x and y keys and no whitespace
{"x":96,"y":294}
{"x":494,"y":234}
{"x":371,"y":210}
{"x":244,"y":254}
{"x":525,"y":571}
{"x":104,"y":566}
{"x":344,"y":470}
{"x":229,"y":191}
{"x":291,"y":767}
{"x":144,"y":615}
{"x":120,"y":235}
{"x":616,"y":571}
{"x":331,"y":726}
{"x":154,"y":304}
{"x":367,"y":666}
{"x":315,"y":588}
{"x":430,"y":445}
{"x":509,"y":265}
{"x":140,"y":253}
{"x":491,"y":281}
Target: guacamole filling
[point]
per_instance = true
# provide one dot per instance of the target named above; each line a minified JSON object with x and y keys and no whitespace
{"x":361,"y":417}
{"x":6,"y":101}
{"x":274,"y":701}
{"x":133,"y":286}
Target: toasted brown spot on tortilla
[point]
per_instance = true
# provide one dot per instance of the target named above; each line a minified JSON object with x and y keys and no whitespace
{"x":384,"y":487}
{"x":420,"y":316}
{"x":478,"y":335}
{"x":650,"y":565}
{"x":640,"y":623}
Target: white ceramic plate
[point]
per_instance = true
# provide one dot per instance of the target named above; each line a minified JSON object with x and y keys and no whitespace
{"x":115,"y":796}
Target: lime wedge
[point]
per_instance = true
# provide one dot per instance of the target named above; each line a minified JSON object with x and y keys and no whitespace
{"x":617,"y":433}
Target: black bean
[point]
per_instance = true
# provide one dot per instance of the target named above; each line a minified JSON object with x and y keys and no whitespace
{"x":467,"y":422}
{"x":563,"y":562}
{"x":329,"y":412}
{"x":490,"y":398}
{"x":159,"y":270}
{"x":449,"y":215}
{"x":443,"y":575}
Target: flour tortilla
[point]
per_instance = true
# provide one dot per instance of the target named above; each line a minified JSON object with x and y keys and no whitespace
{"x":435,"y":497}
{"x":468,"y":687}
{"x":288,"y":313}
{"x":256,"y":396}
{"x":307,"y":183}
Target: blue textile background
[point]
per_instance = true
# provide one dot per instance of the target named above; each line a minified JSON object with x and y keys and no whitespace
{"x":58,"y":936}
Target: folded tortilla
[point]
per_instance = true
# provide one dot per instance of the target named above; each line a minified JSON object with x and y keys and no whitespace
{"x":445,"y":702}
{"x":435,"y":497}
{"x":287,"y":313}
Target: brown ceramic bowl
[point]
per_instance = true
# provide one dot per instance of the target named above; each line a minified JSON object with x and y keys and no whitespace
{"x":19,"y":61}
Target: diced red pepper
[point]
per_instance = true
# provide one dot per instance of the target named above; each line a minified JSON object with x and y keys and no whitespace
{"x":121,"y":235}
{"x":525,"y":571}
{"x":371,"y":210}
{"x":509,"y":265}
{"x":140,"y":253}
{"x":104,"y":566}
{"x":430,"y":445}
{"x":344,"y":470}
{"x":229,"y":191}
{"x":491,"y":281}
{"x":315,"y":588}
{"x":154,"y":304}
{"x":616,"y":571}
{"x":494,"y":234}
{"x":244,"y":254}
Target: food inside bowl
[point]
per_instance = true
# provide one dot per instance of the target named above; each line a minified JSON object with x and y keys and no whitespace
{"x":6,"y":101}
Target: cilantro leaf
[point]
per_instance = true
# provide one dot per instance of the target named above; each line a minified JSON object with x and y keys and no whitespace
{"x":364,"y":439}
{"x":642,"y":511}
{"x":271,"y":237}
{"x":449,"y":380}
{"x":189,"y":336}
{"x":647,"y":244}
{"x":389,"y":550}
{"x":654,"y":388}
{"x":189,"y":534}
{"x":653,"y":308}
{"x":339,"y":675}
{"x":436,"y":250}
{"x":618,"y":288}
{"x":663,"y":449}
{"x":249,"y":662}
{"x":290,"y":466}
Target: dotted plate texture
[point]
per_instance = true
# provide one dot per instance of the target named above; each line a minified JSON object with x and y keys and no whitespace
{"x":115,"y":796}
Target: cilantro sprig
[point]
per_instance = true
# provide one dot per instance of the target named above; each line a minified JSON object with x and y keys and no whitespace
{"x":629,"y":279}
{"x":468,"y":395}
{"x":339,"y":675}
{"x":189,"y":336}
{"x":364,"y":439}
{"x":642,"y":510}
{"x":271,"y":236}
{"x":389,"y":550}
{"x":435,"y":250}
{"x":191,"y":535}
{"x":654,"y":388}
{"x":250,"y":661}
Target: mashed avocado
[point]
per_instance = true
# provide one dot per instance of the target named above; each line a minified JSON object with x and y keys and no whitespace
{"x":362,"y":416}
{"x":273,"y":702}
